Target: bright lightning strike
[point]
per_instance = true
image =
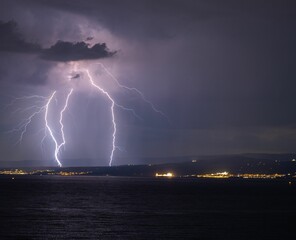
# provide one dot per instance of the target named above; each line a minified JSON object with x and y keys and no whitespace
{"x":61,"y":119}
{"x":50,"y":131}
{"x":133,"y":89}
{"x":112,"y":113}
{"x":47,"y":101}
{"x":23,"y":125}
{"x":57,"y":145}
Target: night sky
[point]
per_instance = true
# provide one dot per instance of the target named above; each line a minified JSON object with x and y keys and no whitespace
{"x":223,"y":72}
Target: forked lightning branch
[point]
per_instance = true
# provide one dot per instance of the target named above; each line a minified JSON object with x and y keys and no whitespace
{"x":57,"y":136}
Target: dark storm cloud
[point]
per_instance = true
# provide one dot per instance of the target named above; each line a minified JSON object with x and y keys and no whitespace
{"x":76,"y":76}
{"x":12,"y":41}
{"x":235,"y":58}
{"x":148,"y":19}
{"x":68,"y":51}
{"x":143,"y":19}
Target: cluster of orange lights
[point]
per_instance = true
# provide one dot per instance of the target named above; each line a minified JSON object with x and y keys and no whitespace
{"x":168,"y":175}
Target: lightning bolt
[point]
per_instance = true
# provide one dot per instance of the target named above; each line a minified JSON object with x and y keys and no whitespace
{"x":15,"y":99}
{"x":45,"y":107}
{"x":134,"y":90}
{"x":51,"y":133}
{"x":23,"y":125}
{"x":61,"y":119}
{"x":112,"y":112}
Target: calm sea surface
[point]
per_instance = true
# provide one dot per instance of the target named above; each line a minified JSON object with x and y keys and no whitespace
{"x":53,"y":207}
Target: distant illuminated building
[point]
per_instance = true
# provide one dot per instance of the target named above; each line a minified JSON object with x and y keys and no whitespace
{"x":168,"y":174}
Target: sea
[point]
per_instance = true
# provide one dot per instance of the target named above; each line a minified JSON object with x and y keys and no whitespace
{"x":90,"y":207}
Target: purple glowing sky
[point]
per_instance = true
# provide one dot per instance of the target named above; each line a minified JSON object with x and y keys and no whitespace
{"x":223,"y":73}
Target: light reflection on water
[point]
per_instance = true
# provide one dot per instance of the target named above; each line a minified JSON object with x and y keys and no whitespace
{"x":51,"y":207}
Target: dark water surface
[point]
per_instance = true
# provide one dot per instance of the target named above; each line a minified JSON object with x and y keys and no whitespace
{"x":52,"y":207}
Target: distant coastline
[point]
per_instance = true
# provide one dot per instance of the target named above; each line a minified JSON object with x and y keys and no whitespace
{"x":231,"y":166}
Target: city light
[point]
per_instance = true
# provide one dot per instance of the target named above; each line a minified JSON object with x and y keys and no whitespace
{"x":168,"y":175}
